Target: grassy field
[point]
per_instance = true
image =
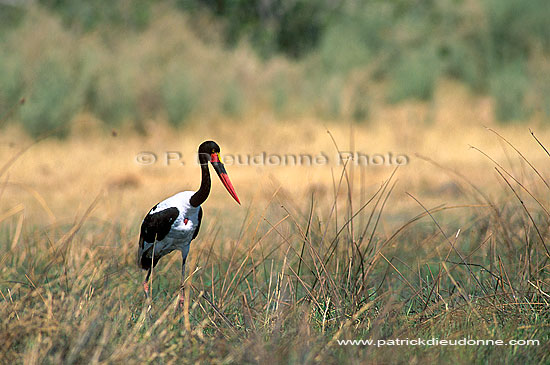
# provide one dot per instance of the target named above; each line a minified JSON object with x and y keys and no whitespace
{"x":451,"y":245}
{"x":101,"y":113}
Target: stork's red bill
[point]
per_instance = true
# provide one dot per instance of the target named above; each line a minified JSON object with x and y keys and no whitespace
{"x":222,"y":174}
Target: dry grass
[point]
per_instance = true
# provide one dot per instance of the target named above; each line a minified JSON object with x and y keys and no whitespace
{"x":314,"y":255}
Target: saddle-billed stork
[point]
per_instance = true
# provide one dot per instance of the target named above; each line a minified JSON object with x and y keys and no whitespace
{"x":173,"y":223}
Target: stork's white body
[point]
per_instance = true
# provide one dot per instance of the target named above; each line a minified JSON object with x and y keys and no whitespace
{"x":170,"y":225}
{"x":180,"y":235}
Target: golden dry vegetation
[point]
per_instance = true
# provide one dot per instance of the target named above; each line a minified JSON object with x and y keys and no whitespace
{"x":289,"y":272}
{"x":99,"y":162}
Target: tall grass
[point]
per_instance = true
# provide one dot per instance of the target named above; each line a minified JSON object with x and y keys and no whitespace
{"x":291,"y":279}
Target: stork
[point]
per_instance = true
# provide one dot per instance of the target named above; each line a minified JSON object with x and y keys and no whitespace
{"x":173,"y":223}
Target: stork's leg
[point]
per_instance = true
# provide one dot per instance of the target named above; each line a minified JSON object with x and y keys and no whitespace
{"x":146,"y":283}
{"x":182,"y":297}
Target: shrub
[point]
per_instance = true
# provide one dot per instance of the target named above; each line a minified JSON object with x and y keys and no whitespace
{"x":179,"y":95}
{"x":508,"y":86}
{"x":10,"y":16}
{"x":360,"y":103}
{"x":516,"y":26}
{"x":113,"y":94}
{"x":343,"y":49}
{"x":90,"y":15}
{"x":330,"y":98}
{"x":10,"y":83}
{"x":464,"y":63}
{"x":292,"y":27}
{"x":53,"y":99}
{"x":233,"y":102}
{"x":415,"y":75}
{"x":354,"y":38}
{"x":280,"y":95}
{"x":543,"y":92}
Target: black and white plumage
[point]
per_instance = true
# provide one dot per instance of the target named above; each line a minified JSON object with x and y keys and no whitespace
{"x":173,"y":223}
{"x":170,"y":225}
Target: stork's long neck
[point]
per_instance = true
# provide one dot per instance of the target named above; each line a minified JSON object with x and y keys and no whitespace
{"x":200,"y":195}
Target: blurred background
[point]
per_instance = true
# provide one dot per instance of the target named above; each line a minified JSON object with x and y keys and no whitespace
{"x":131,"y":62}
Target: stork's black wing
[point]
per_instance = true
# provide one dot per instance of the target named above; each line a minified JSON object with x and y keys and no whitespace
{"x":155,"y":226}
{"x":198,"y":224}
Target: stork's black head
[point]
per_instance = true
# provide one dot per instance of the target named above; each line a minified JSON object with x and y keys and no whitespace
{"x":208,"y":148}
{"x":210,"y":151}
